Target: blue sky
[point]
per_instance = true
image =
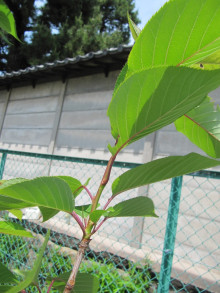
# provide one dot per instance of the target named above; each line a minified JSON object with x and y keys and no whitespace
{"x":146,"y":8}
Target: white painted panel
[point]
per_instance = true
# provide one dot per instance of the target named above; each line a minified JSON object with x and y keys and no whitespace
{"x":96,"y":120}
{"x":29,"y":121}
{"x":41,"y":90}
{"x":2,"y":108}
{"x":92,"y":83}
{"x":3,"y":95}
{"x":33,"y":105}
{"x":88,"y":101}
{"x":83,"y":139}
{"x":40,"y":137}
{"x":174,"y":143}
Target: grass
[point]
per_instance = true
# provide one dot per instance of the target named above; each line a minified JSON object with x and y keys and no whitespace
{"x":15,"y":253}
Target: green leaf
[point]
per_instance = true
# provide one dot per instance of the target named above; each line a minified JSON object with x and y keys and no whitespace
{"x":181,"y":32}
{"x":140,"y":206}
{"x":17,"y":213}
{"x":135,"y":30}
{"x":47,"y":213}
{"x":5,"y":288}
{"x":77,"y":192}
{"x":49,"y":192}
{"x":7,"y":22}
{"x":209,"y":63}
{"x":84,"y":283}
{"x":161,"y":169}
{"x":13,"y":229}
{"x":73,"y":183}
{"x":97,"y":214}
{"x":32,"y":275}
{"x":7,"y":203}
{"x":202,"y":126}
{"x":153,"y":98}
{"x":6,"y":276}
{"x":121,"y":77}
{"x":83,"y":211}
{"x":136,"y":207}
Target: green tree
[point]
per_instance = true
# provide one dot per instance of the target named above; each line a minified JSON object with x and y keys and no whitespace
{"x":64,"y":28}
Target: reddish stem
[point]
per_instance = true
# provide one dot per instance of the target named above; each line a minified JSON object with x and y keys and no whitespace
{"x":77,"y":218}
{"x":108,"y":202}
{"x":86,"y":189}
{"x":99,"y":225}
{"x":51,"y":284}
{"x":38,"y":288}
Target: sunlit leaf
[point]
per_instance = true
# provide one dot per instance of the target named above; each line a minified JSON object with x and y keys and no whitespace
{"x":7,"y":22}
{"x":136,"y":207}
{"x":135,"y":30}
{"x":13,"y":229}
{"x":49,"y":192}
{"x":202,"y":126}
{"x":181,"y":32}
{"x":17,"y":213}
{"x":161,"y":169}
{"x":151,"y":99}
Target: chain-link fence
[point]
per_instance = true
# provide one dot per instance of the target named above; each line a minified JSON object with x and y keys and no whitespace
{"x":126,"y":254}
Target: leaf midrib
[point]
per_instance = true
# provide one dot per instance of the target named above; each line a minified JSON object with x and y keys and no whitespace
{"x":155,"y":121}
{"x":206,"y":130}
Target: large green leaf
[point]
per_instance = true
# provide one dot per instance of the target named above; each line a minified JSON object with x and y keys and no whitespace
{"x":7,"y":22}
{"x":153,"y":98}
{"x":161,"y":169}
{"x":7,"y":203}
{"x":6,"y":276}
{"x":49,"y":192}
{"x":181,"y":32}
{"x":202,"y":126}
{"x":74,"y":185}
{"x":13,"y":229}
{"x":84,"y":283}
{"x":136,"y":207}
{"x":31,"y":277}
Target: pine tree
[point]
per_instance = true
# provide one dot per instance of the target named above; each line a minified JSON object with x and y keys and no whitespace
{"x":64,"y":28}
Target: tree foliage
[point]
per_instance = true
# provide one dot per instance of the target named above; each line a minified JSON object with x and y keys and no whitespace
{"x":64,"y":28}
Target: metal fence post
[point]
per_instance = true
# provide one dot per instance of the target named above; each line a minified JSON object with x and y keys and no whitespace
{"x":2,"y":165}
{"x":170,"y":235}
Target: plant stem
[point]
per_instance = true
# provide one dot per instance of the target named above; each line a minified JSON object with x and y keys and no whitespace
{"x":80,"y":255}
{"x":104,"y":181}
{"x":87,"y":190}
{"x":51,"y":284}
{"x":38,"y":288}
{"x":99,"y":225}
{"x":108,"y":202}
{"x":77,"y":218}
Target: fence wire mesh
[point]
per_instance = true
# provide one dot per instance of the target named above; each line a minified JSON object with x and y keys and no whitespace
{"x":126,"y":254}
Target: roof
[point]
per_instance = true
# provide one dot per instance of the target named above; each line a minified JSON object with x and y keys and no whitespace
{"x":91,"y":63}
